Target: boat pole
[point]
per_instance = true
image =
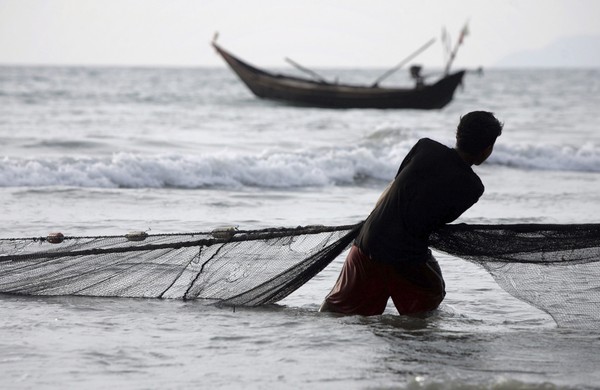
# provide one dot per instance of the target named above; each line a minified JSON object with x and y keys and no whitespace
{"x":306,"y":70}
{"x":463,"y":33}
{"x":402,"y":63}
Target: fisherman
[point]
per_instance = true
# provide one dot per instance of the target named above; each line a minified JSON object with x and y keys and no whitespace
{"x":415,"y":73}
{"x":390,"y":257}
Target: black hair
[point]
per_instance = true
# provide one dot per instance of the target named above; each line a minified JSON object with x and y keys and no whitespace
{"x":476,"y":131}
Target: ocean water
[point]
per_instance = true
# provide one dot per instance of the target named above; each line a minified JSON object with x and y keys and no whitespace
{"x":89,"y":151}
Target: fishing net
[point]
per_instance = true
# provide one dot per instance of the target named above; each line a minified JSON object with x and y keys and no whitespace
{"x":226,"y":265}
{"x":553,"y":267}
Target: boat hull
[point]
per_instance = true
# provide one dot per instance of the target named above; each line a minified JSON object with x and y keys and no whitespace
{"x":304,"y":92}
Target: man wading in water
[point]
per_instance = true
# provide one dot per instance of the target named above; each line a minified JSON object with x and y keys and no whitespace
{"x":390,"y":257}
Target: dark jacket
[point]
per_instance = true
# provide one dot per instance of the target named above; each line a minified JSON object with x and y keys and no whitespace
{"x":433,"y":186}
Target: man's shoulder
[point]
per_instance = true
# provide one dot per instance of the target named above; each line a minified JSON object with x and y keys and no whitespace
{"x":428,"y":142}
{"x":433,"y":149}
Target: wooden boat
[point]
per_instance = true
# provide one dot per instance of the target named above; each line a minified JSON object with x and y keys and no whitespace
{"x":320,"y":93}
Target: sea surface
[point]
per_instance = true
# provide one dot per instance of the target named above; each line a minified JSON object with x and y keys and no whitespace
{"x":100,"y":150}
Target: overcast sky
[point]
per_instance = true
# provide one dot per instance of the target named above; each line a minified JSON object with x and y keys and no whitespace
{"x":313,"y":32}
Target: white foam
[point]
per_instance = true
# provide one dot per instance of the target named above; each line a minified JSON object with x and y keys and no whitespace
{"x":582,"y":158}
{"x":275,"y":168}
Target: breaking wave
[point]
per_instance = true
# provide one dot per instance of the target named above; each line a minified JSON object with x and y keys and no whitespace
{"x":350,"y":165}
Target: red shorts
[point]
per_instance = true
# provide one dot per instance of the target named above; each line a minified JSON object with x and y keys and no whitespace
{"x":365,"y":285}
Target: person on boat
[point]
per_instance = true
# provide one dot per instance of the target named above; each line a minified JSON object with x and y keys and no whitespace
{"x":390,"y":257}
{"x":415,"y":73}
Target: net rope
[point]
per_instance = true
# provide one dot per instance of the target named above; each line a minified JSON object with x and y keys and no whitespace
{"x":229,"y":266}
{"x":555,"y":268}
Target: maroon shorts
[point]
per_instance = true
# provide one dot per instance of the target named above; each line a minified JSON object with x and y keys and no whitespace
{"x":365,"y":285}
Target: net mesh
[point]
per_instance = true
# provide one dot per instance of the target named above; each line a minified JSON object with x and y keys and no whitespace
{"x":229,"y":266}
{"x":553,"y":267}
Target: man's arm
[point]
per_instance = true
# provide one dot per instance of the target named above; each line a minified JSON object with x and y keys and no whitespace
{"x":461,"y":203}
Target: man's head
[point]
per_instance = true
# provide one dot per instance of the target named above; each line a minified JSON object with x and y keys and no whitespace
{"x":476,"y":134}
